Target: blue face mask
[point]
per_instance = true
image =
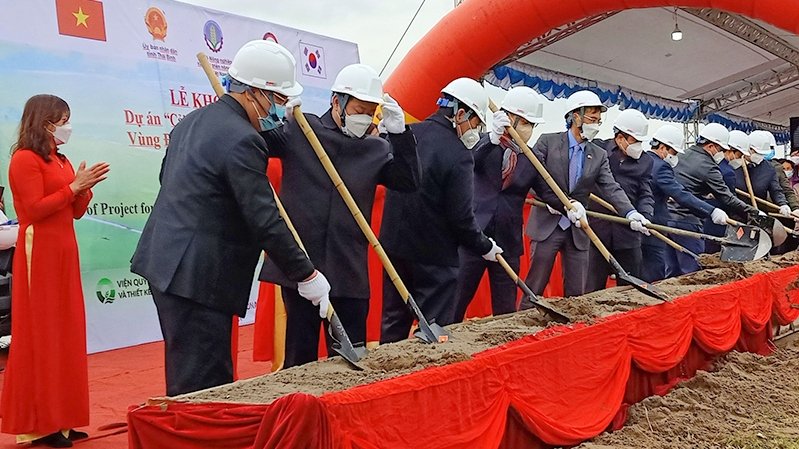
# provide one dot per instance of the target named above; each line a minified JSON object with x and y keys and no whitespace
{"x":274,"y":116}
{"x":770,"y":156}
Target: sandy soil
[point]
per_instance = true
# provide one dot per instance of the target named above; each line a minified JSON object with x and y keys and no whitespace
{"x":470,"y":337}
{"x":748,"y":401}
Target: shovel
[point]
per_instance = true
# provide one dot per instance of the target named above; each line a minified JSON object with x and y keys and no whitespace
{"x":341,"y":341}
{"x":779,"y":232}
{"x":654,"y":233}
{"x":530,"y":299}
{"x":640,"y":285}
{"x":429,"y":331}
{"x":742,"y":244}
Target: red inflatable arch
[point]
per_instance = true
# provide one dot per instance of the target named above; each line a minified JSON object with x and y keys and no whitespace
{"x":478,"y":33}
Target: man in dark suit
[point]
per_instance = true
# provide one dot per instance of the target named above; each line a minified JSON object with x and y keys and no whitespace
{"x":214,"y":215}
{"x":497,"y":207}
{"x":329,"y":232}
{"x":633,"y":173}
{"x":422,"y":230}
{"x":761,"y":173}
{"x":666,"y":146}
{"x":698,"y":171}
{"x":578,"y":167}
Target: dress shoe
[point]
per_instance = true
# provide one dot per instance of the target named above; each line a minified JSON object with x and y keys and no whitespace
{"x":75,"y":435}
{"x":54,"y":440}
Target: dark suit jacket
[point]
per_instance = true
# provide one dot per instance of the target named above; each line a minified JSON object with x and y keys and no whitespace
{"x":764,"y":182}
{"x":215,"y":213}
{"x":330,"y":234}
{"x":553,"y":151}
{"x":428,"y":225}
{"x":498,"y":212}
{"x":634,"y":176}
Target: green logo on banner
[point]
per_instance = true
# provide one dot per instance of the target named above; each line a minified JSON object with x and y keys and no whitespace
{"x":105,"y":291}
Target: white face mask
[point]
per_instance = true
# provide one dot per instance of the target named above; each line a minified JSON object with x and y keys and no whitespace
{"x":635,"y":150}
{"x":62,"y":133}
{"x":788,"y":173}
{"x":525,"y":131}
{"x":356,"y":125}
{"x":589,"y":131}
{"x":470,"y":138}
{"x":718,"y":157}
{"x":672,"y":160}
{"x":736,"y":163}
{"x":756,"y":158}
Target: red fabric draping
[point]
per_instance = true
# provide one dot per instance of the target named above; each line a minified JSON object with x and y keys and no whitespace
{"x":559,"y":387}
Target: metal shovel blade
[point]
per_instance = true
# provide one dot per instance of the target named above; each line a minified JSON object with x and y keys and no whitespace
{"x":644,"y":287}
{"x":530,"y":300}
{"x":747,"y":243}
{"x":342,"y":344}
{"x":774,"y":228}
{"x":429,"y":331}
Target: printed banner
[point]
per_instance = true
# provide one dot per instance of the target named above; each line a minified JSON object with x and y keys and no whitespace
{"x":129,"y":73}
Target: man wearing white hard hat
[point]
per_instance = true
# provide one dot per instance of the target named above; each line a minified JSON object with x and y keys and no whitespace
{"x":214,"y":215}
{"x":666,"y":147}
{"x":761,"y":174}
{"x":634,"y":174}
{"x":579,"y":167}
{"x":699,"y":172}
{"x":330,"y":234}
{"x":497,"y":205}
{"x":422,"y":231}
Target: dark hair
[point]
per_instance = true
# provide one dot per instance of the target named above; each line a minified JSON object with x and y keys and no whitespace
{"x":40,"y":110}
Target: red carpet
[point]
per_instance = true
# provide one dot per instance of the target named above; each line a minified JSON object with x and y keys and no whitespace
{"x":121,"y":378}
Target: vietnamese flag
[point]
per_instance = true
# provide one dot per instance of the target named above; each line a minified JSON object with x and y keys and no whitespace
{"x":81,"y":18}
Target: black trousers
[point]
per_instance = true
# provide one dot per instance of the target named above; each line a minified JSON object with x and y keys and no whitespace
{"x":655,"y":267}
{"x":196,"y":344}
{"x":575,"y":262}
{"x":503,"y":289}
{"x":599,"y":269}
{"x":433,"y":288}
{"x":302,"y":325}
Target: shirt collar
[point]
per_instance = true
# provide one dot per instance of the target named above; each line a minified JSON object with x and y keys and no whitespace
{"x":573,"y":142}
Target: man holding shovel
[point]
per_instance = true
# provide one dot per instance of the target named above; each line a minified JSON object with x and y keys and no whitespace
{"x":666,"y":147}
{"x":325,"y":225}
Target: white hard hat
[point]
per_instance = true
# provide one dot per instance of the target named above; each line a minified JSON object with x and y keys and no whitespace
{"x":760,"y":141}
{"x":583,"y":99}
{"x":266,"y":65}
{"x":360,"y":81}
{"x":671,"y":136}
{"x":633,"y":123}
{"x":717,"y":134}
{"x":8,"y":236}
{"x":524,"y":102}
{"x":740,"y":141}
{"x":470,"y":93}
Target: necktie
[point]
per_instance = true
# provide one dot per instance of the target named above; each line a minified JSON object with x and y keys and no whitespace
{"x":575,"y":169}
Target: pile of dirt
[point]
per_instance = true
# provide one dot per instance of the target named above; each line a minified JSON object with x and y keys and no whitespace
{"x":470,"y":337}
{"x":748,"y":401}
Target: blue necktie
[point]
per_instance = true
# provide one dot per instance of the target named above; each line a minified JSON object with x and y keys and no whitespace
{"x":575,"y":170}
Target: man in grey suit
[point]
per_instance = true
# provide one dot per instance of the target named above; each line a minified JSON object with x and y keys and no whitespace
{"x":577,"y":166}
{"x":214,"y":215}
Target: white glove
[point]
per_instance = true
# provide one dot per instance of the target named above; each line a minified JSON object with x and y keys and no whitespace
{"x":498,"y":123}
{"x":553,"y":211}
{"x":719,"y":217}
{"x":785,"y":210}
{"x":324,"y":304}
{"x":760,"y":213}
{"x":393,"y":117}
{"x":315,"y":289}
{"x":577,"y":213}
{"x":638,"y":222}
{"x":491,"y":255}
{"x":292,"y":103}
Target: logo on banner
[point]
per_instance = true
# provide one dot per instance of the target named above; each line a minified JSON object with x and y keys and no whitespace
{"x":270,"y":37}
{"x":81,"y":18}
{"x":314,"y":63}
{"x":213,"y":36}
{"x":155,"y":20}
{"x":105,"y":291}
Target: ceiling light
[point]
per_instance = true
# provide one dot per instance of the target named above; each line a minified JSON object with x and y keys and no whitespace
{"x":676,"y":35}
